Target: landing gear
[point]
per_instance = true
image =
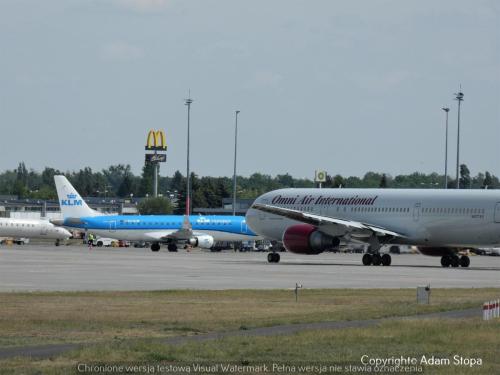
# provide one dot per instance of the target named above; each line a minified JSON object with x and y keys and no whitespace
{"x":464,"y":261}
{"x":455,"y":261}
{"x":58,"y":242}
{"x":155,"y":246}
{"x":273,"y":258}
{"x":445,"y":261}
{"x":367,"y":259}
{"x":386,"y":260}
{"x":377,"y":259}
{"x":172,"y":247}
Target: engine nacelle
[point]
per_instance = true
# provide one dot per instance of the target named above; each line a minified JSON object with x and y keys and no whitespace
{"x":437,"y":251}
{"x":306,"y":239}
{"x":204,"y":241}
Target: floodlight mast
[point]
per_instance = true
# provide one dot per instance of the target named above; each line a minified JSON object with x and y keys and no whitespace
{"x":235,"y":150}
{"x":460,"y":97}
{"x":188,"y":102}
{"x":446,"y":109}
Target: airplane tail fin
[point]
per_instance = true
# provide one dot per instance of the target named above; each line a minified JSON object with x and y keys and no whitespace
{"x":72,"y":204}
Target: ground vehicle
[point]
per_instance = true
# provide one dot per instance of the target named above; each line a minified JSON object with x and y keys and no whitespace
{"x":102,"y":241}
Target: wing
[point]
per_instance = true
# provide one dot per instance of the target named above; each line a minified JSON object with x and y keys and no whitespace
{"x":322,"y":221}
{"x":182,"y":234}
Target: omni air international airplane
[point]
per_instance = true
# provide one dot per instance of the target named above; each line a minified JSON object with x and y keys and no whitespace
{"x":201,"y":231}
{"x":32,"y":228}
{"x":438,"y":222}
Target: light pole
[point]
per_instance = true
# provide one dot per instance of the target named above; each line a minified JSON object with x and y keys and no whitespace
{"x":235,"y":149}
{"x":188,"y":188}
{"x":446,"y":109}
{"x":460,"y":97}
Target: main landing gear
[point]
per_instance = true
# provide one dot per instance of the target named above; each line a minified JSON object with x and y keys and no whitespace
{"x":273,"y":258}
{"x":377,"y":259}
{"x":455,"y":261}
{"x":373,"y":256}
{"x":155,"y":246}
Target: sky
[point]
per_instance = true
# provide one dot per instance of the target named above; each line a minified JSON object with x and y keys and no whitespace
{"x":343,"y":86}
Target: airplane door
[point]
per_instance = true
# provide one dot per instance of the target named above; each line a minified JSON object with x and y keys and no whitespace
{"x":243,"y":227}
{"x":416,"y":211}
{"x":112,"y":226}
{"x":497,"y":212}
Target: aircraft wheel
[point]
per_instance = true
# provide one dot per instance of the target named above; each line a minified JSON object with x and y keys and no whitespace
{"x":445,"y":261}
{"x":386,"y":260}
{"x":464,"y":261}
{"x":273,"y":258}
{"x":155,"y":246}
{"x":377,"y":259}
{"x":172,"y":247}
{"x":455,"y":261}
{"x":57,"y":243}
{"x":367,"y":259}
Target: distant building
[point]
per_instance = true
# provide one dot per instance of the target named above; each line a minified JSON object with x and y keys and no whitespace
{"x":242,"y":206}
{"x":11,"y":206}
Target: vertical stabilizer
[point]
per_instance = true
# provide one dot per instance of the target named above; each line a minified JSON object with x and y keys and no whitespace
{"x":72,"y":204}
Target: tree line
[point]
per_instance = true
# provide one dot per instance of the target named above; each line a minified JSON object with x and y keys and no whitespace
{"x":119,"y":181}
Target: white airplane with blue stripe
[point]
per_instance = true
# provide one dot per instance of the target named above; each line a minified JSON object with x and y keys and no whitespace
{"x":200,"y":231}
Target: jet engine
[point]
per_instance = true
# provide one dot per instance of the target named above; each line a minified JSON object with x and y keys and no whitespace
{"x":306,"y":239}
{"x":204,"y":241}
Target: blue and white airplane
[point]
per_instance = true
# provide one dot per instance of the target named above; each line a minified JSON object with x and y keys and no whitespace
{"x":201,"y":231}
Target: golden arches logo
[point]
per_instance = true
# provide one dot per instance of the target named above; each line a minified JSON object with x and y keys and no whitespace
{"x":156,"y":140}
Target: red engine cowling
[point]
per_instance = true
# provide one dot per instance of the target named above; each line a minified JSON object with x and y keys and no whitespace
{"x":436,"y":251}
{"x":306,"y":239}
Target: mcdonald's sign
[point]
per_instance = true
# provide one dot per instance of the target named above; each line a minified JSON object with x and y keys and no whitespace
{"x":156,"y":158}
{"x":156,"y":141}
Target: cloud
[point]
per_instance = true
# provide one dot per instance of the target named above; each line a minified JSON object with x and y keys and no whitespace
{"x":121,"y":51}
{"x":143,"y":5}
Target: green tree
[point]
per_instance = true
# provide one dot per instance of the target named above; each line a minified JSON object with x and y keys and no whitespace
{"x":383,"y":181}
{"x":155,"y":206}
{"x":146,"y":186}
{"x":465,"y":179}
{"x":126,"y":186}
{"x":488,"y":181}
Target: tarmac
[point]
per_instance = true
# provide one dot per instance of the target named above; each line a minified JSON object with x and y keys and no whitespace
{"x":37,"y":267}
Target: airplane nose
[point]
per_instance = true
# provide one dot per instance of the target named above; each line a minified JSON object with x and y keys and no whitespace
{"x":64,"y":233}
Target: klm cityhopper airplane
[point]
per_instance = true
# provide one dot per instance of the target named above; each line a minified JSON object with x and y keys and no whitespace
{"x":201,"y":231}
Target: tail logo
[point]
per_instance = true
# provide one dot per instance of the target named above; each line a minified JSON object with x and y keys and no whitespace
{"x":71,"y":201}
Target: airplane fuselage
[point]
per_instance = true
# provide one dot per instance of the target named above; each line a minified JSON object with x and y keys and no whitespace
{"x":151,"y":227}
{"x":31,"y":228}
{"x":425,"y":217}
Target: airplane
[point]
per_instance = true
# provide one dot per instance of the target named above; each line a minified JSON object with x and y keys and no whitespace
{"x":32,"y":228}
{"x":200,"y":231}
{"x":439,"y":222}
